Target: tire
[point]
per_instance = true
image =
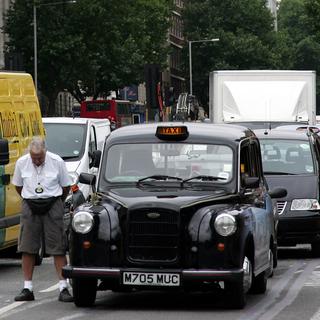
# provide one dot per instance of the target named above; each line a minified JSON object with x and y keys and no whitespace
{"x":84,"y":292}
{"x":315,"y":249}
{"x":259,"y":284}
{"x":236,"y":295}
{"x":238,"y":291}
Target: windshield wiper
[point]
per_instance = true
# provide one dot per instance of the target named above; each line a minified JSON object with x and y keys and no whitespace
{"x":279,"y":172}
{"x":159,"y":177}
{"x":68,"y":157}
{"x":203,"y":178}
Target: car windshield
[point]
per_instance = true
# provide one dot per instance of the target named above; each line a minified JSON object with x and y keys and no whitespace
{"x":132,"y":162}
{"x":286,"y":156}
{"x":65,"y":139}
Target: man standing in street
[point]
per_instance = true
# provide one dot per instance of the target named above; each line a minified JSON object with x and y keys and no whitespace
{"x":42,"y":180}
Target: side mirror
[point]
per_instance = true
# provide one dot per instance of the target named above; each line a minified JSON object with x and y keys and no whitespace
{"x":87,"y":178}
{"x":4,"y":151}
{"x":96,"y":156}
{"x":278,"y":193}
{"x":251,"y":182}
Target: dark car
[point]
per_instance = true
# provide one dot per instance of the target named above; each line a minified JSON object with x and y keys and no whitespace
{"x":291,"y":160}
{"x":179,"y":206}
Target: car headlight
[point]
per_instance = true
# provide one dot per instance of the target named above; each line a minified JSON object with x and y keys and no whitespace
{"x":225,"y":224}
{"x":82,"y":222}
{"x":74,"y":177}
{"x":305,"y":204}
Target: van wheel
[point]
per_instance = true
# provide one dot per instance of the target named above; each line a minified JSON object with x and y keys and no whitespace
{"x":84,"y":291}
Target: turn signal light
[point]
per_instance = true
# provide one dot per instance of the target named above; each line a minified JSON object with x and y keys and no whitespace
{"x":86,"y":245}
{"x":220,"y":247}
{"x":74,"y":188}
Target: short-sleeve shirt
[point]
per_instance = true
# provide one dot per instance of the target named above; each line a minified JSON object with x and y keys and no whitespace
{"x":52,"y":175}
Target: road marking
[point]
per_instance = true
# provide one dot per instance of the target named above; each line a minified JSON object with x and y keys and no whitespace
{"x":278,"y":298}
{"x":52,"y":288}
{"x":295,"y":285}
{"x":11,"y":306}
{"x":314,"y":280}
{"x":19,"y":303}
{"x":77,"y":315}
{"x":31,"y":304}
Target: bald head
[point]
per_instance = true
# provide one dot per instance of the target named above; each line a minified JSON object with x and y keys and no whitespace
{"x":37,"y":150}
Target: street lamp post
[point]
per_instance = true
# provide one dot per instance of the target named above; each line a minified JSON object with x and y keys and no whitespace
{"x":190,"y":57}
{"x":35,"y":44}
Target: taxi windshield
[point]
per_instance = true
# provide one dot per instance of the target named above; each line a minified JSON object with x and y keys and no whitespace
{"x":286,"y":157}
{"x":132,"y":162}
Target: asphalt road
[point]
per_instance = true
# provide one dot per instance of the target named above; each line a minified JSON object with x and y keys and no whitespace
{"x":293,"y":293}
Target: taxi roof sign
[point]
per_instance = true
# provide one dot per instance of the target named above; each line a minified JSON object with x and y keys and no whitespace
{"x":172,"y":133}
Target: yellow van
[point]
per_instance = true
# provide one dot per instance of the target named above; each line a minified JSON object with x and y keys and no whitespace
{"x":20,"y":120}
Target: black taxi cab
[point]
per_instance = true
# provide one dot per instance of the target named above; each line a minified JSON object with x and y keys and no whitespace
{"x":175,"y":206}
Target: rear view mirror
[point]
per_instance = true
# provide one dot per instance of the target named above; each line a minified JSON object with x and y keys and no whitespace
{"x":278,"y":193}
{"x":4,"y":151}
{"x":87,"y":178}
{"x":251,"y":182}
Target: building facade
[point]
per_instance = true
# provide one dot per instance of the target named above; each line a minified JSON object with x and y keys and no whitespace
{"x":173,"y":77}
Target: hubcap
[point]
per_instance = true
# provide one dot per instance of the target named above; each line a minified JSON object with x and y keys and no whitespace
{"x":247,"y":274}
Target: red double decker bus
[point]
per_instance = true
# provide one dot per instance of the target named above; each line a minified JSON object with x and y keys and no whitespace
{"x":122,"y":112}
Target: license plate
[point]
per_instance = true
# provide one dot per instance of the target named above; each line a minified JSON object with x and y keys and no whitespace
{"x":151,"y":279}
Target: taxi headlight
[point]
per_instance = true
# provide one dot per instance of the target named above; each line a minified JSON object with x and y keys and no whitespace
{"x":82,"y":222}
{"x":74,"y":178}
{"x":305,"y":204}
{"x":225,"y":224}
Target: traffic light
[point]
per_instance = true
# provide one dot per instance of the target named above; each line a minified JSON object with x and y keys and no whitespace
{"x":152,"y":79}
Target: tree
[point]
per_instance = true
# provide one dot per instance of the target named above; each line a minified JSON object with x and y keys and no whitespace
{"x":247,"y":38}
{"x":105,"y":44}
{"x":299,"y":20}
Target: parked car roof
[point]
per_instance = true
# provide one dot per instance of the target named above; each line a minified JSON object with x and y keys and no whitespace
{"x":72,"y":120}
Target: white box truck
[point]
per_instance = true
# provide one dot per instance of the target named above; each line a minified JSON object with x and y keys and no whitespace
{"x":262,"y":96}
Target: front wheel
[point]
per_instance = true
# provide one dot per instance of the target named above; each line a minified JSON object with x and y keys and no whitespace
{"x":236,"y":295}
{"x":84,"y":292}
{"x":237,"y":291}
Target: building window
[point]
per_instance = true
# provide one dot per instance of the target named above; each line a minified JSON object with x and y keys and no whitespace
{"x":176,"y":26}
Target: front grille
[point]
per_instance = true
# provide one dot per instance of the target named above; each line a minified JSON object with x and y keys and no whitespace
{"x":281,"y":206}
{"x":153,"y":235}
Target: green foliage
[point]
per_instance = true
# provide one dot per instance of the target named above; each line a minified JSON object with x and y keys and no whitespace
{"x":247,"y":38}
{"x":299,"y":20}
{"x":105,"y":44}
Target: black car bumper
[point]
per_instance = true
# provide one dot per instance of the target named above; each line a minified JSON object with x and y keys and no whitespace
{"x":296,"y":230}
{"x":186,"y":275}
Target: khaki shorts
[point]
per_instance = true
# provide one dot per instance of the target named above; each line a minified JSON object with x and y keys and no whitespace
{"x":49,"y":226}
